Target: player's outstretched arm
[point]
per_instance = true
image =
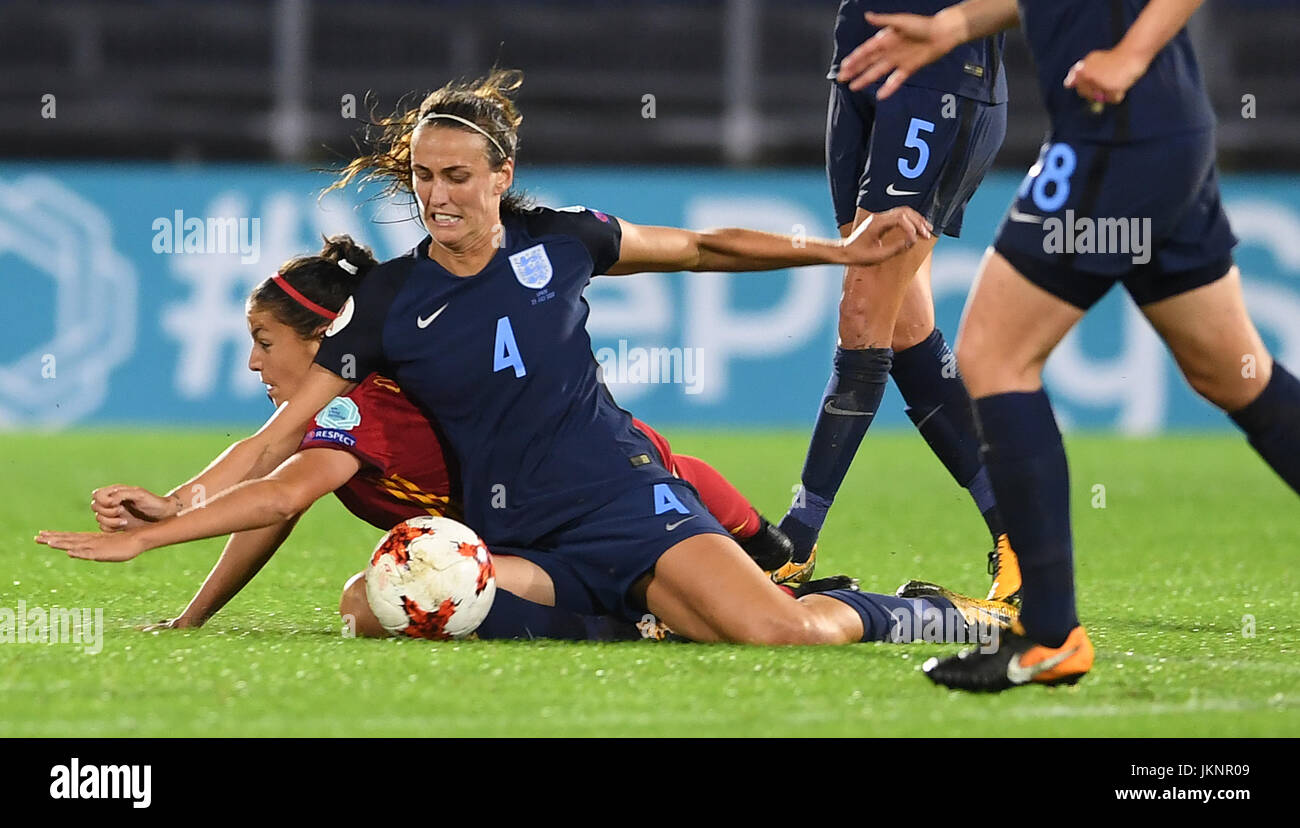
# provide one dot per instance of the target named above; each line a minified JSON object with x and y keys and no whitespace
{"x":244,"y":556}
{"x":1106,"y":75}
{"x":907,"y":42}
{"x":120,"y":507}
{"x":287,"y":492}
{"x":670,"y":249}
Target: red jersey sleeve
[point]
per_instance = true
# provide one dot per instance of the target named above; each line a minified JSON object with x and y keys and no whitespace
{"x":354,"y":423}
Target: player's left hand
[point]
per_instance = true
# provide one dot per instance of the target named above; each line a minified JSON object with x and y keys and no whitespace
{"x":884,"y":235}
{"x":126,"y":507}
{"x":94,"y":546}
{"x":1106,"y":75}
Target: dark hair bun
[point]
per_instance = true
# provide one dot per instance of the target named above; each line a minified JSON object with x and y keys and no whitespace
{"x":326,"y":280}
{"x":343,"y":248}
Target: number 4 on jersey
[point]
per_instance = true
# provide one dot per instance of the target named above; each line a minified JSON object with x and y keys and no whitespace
{"x":505,"y":354}
{"x":666,"y":501}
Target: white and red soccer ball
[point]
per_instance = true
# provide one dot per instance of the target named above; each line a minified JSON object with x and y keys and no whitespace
{"x":431,"y":577}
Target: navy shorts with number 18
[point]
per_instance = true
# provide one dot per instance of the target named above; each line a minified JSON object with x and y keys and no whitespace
{"x":1151,"y":212}
{"x":919,"y":148}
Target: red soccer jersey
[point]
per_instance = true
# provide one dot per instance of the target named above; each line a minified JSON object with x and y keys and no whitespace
{"x":403,"y":469}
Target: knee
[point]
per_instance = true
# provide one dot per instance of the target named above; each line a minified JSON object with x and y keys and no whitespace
{"x":354,"y":593}
{"x":988,"y":368}
{"x":909,"y":334}
{"x":792,"y":628}
{"x":854,"y":314}
{"x":1229,"y":389}
{"x":354,"y":609}
{"x":979,"y":373}
{"x":1205,"y":385}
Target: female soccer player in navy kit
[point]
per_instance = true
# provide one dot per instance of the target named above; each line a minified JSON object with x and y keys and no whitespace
{"x":384,"y":461}
{"x":1132,"y":141}
{"x":483,"y":326}
{"x":927,"y":147}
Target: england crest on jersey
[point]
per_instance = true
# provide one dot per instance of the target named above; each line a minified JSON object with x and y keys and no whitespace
{"x":532,"y":267}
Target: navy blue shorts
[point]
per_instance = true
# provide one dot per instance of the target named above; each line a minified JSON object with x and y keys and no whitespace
{"x":1147,"y":214}
{"x":595,"y":560}
{"x":919,"y":148}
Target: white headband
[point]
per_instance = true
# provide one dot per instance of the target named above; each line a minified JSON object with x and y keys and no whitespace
{"x":480,"y":130}
{"x":348,"y":266}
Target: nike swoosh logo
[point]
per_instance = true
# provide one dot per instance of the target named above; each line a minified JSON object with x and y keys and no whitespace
{"x":1016,"y":674}
{"x":671,"y":526}
{"x":1024,"y":218}
{"x":893,"y":192}
{"x":424,"y":323}
{"x":832,"y":408}
{"x":927,"y":417}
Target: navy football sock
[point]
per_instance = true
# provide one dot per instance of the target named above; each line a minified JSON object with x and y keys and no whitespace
{"x":902,"y":620}
{"x":937,"y":403}
{"x":1022,"y":450}
{"x":515,"y":617}
{"x":852,"y":397}
{"x":1272,"y":422}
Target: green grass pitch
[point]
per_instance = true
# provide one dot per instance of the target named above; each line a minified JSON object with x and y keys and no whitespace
{"x":1194,"y":550}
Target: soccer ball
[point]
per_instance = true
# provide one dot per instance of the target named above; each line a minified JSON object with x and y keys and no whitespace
{"x":431,"y":577}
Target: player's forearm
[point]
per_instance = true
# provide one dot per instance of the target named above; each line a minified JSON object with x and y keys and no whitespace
{"x":249,"y":458}
{"x":251,"y":505}
{"x":737,"y":249}
{"x":244,"y":556}
{"x":975,"y":19}
{"x":1156,"y":26}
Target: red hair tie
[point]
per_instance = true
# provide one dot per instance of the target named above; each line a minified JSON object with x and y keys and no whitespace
{"x":302,"y":300}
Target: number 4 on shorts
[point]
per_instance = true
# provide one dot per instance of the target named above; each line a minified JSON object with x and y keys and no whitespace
{"x":666,"y":501}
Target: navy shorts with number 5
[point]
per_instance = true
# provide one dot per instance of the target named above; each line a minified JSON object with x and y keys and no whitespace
{"x":919,"y":148}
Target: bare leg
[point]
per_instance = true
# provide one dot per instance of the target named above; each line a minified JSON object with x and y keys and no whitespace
{"x":994,"y":362}
{"x":1223,"y":358}
{"x":707,"y":589}
{"x":869,"y":312}
{"x":874,"y":296}
{"x":1214,"y":342}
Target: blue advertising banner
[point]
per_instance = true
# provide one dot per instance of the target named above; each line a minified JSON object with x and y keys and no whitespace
{"x":126,"y":284}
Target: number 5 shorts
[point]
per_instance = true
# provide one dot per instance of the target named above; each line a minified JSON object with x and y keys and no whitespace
{"x":920,"y":148}
{"x":1146,"y":213}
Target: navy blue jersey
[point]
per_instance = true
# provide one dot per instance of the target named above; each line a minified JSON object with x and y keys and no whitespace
{"x":501,"y":361}
{"x":972,"y":70}
{"x":1167,"y":100}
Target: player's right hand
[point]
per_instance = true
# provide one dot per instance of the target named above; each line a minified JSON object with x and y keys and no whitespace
{"x":126,"y":507}
{"x":115,"y":547}
{"x":903,"y":44}
{"x":884,"y":235}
